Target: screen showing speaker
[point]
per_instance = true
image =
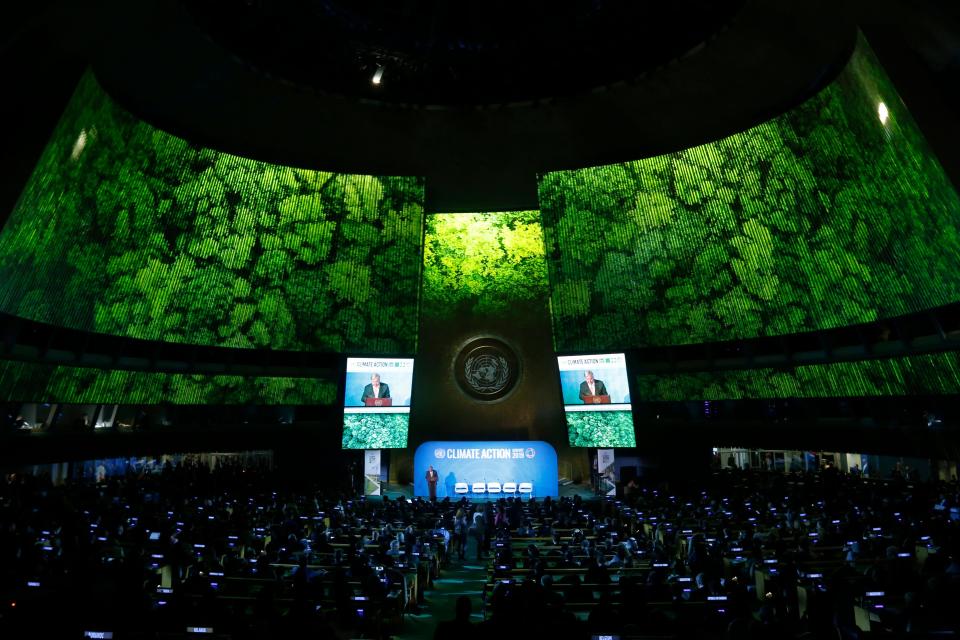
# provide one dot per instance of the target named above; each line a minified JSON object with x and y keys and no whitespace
{"x":596,"y":400}
{"x":376,"y":403}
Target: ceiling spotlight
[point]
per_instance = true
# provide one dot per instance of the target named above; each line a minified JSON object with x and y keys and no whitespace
{"x":883,"y":113}
{"x":79,"y":145}
{"x":377,"y":75}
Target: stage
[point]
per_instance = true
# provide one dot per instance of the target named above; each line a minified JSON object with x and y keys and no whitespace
{"x":567,"y":489}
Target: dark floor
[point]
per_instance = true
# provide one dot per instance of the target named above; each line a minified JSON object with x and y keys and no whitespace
{"x":459,"y":578}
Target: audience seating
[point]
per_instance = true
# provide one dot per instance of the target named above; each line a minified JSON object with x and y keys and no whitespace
{"x":746,"y":548}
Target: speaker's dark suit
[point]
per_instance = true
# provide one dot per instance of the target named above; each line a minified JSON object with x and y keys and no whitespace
{"x":597,"y":384}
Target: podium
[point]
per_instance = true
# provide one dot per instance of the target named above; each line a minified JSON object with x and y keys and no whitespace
{"x":384,"y":402}
{"x":596,"y":399}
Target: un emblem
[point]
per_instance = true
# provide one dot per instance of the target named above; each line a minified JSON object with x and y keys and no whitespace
{"x":486,"y":369}
{"x":486,"y":373}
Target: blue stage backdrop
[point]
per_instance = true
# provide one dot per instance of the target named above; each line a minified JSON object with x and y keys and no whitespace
{"x":527,"y":467}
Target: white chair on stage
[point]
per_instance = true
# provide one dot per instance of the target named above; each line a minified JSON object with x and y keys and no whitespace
{"x":526,"y":487}
{"x":493,"y":487}
{"x":479,"y":487}
{"x":509,"y":487}
{"x":461,"y":487}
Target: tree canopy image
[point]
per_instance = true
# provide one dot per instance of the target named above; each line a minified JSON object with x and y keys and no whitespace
{"x":375,"y":430}
{"x":127,"y":230}
{"x":32,"y":382}
{"x":832,"y":214}
{"x":931,"y":374}
{"x":483,"y":263}
{"x":601,"y":429}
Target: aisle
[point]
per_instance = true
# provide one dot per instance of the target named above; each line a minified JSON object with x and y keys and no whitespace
{"x":464,"y":578}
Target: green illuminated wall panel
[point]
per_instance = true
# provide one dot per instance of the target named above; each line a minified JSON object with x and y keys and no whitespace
{"x":833,"y":214}
{"x":31,"y":382}
{"x":482,"y":263}
{"x":484,"y":275}
{"x":934,"y":374}
{"x":127,"y":230}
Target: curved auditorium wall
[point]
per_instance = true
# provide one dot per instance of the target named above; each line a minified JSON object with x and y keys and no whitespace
{"x":832,"y":214}
{"x":34,"y":382}
{"x":928,"y":374}
{"x":127,"y":230}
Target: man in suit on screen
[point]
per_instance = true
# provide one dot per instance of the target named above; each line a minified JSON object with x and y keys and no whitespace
{"x":591,"y":387}
{"x":375,"y":389}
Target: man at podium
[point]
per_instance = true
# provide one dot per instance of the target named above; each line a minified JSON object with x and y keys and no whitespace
{"x":375,"y":389}
{"x":590,"y":388}
{"x":432,"y":478}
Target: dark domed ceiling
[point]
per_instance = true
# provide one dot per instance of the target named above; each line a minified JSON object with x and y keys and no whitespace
{"x":459,"y":52}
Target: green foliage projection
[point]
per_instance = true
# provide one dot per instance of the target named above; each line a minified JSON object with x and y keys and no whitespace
{"x":31,"y":382}
{"x":933,"y":374}
{"x":127,"y":230}
{"x":826,"y":216}
{"x":601,"y":429}
{"x":483,"y":263}
{"x":375,"y":430}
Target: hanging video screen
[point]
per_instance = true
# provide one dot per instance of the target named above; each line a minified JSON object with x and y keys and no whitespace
{"x":596,"y":400}
{"x":376,"y":403}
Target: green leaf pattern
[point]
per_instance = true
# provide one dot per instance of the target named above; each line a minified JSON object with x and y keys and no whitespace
{"x":820,"y":218}
{"x":127,"y":230}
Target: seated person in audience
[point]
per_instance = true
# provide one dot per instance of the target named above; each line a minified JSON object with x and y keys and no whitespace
{"x":596,"y":571}
{"x":571,"y":586}
{"x":535,"y":571}
{"x":569,"y":561}
{"x":460,"y":628}
{"x":619,"y":559}
{"x":525,"y":530}
{"x":586,"y":548}
{"x":394,"y":551}
{"x":441,"y":531}
{"x":504,"y":558}
{"x":551,"y":597}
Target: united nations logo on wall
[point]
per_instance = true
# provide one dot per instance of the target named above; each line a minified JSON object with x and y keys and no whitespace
{"x":486,"y":369}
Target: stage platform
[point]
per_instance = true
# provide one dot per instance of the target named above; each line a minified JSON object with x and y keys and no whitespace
{"x":566,"y":490}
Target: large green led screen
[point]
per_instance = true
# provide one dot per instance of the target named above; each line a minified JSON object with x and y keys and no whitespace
{"x":931,"y":374}
{"x":832,"y":214}
{"x":127,"y":230}
{"x":483,"y":263}
{"x":33,"y":382}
